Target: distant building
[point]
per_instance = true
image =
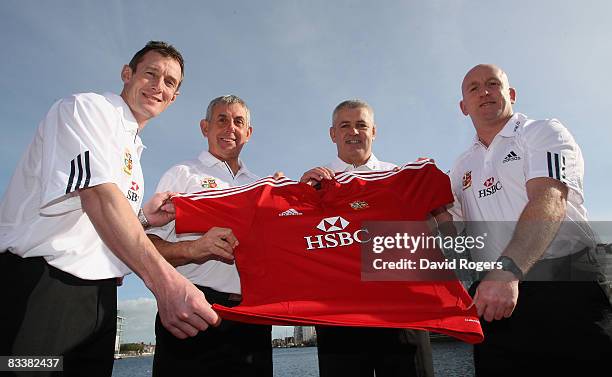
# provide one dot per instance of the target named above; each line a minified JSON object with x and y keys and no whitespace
{"x":148,"y":348}
{"x":298,"y":334}
{"x":120,"y":324}
{"x":303,"y":334}
{"x":309,"y":334}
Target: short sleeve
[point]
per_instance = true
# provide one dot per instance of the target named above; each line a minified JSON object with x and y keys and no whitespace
{"x":552,"y":152}
{"x":232,"y":208}
{"x":456,"y":187}
{"x":80,"y":149}
{"x":427,"y":187}
{"x":441,"y":193}
{"x":172,"y":180}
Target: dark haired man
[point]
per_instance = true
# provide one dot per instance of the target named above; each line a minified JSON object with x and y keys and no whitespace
{"x":71,"y":224}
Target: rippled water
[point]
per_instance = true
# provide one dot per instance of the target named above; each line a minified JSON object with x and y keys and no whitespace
{"x":451,"y":359}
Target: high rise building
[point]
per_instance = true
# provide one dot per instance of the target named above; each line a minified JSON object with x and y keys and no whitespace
{"x":120,"y":324}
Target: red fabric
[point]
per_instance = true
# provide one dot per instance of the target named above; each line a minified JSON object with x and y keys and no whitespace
{"x":284,"y":283}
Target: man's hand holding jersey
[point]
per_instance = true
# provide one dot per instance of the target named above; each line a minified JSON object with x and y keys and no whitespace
{"x":315,"y":175}
{"x":159,"y":210}
{"x":218,"y":244}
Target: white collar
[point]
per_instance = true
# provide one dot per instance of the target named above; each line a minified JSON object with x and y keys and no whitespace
{"x":209,"y":161}
{"x":509,"y":129}
{"x":129,"y":122}
{"x":339,"y":165}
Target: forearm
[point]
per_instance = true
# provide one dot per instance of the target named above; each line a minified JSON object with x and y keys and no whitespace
{"x":444,"y":222}
{"x":536,"y":228}
{"x":182,"y":307}
{"x":119,"y":228}
{"x":176,"y":253}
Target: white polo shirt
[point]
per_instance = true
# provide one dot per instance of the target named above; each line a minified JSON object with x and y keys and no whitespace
{"x":204,"y":173}
{"x":339,"y":166}
{"x":489,"y":184}
{"x":83,"y":141}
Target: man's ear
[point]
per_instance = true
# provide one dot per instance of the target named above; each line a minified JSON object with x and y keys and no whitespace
{"x":249,"y":133}
{"x":126,"y":74}
{"x":374,"y":131}
{"x":512,"y":95}
{"x":332,"y":133}
{"x":462,"y":107}
{"x":204,"y":127}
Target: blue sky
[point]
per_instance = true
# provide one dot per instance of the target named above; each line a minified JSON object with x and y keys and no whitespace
{"x":294,"y":61}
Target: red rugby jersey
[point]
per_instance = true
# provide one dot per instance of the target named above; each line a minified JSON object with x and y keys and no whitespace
{"x":299,"y":255}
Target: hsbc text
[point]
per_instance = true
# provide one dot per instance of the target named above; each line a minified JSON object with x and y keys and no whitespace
{"x":490,"y":190}
{"x":323,"y":241}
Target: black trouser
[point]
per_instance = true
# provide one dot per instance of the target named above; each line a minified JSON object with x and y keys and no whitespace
{"x":232,"y":349}
{"x":562,"y":327}
{"x":48,"y":312}
{"x":352,"y":351}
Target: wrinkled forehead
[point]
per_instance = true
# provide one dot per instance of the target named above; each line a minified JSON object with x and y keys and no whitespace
{"x":483,"y":73}
{"x":153,"y":59}
{"x":233,"y":109}
{"x":350,"y":114}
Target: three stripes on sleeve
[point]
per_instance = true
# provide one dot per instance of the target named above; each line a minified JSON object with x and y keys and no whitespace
{"x":79,"y":169}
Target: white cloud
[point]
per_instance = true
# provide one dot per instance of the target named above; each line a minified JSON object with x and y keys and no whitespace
{"x":281,"y":332}
{"x":139,"y":319}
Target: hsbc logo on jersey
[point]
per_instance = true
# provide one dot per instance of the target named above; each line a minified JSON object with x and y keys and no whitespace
{"x":332,"y":224}
{"x":491,"y":187}
{"x":132,"y":193}
{"x":335,"y":234}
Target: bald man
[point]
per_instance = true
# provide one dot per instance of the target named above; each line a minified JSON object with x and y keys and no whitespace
{"x":522,"y":179}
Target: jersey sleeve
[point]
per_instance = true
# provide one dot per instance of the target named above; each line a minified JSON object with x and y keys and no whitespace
{"x":552,"y":152}
{"x":429,"y":188}
{"x":79,"y":150}
{"x":232,"y":208}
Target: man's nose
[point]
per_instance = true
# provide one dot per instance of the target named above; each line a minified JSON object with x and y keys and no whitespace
{"x":156,"y":83}
{"x":230,"y":125}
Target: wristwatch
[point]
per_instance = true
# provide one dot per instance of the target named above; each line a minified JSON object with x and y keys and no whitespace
{"x":143,"y":219}
{"x":507,"y":264}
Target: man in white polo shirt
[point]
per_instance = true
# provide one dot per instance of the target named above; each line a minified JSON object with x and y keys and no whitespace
{"x":364,"y":351}
{"x":521,"y":181}
{"x":69,"y":225}
{"x":232,"y":349}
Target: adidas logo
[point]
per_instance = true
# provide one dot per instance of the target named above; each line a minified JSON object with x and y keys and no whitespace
{"x":511,"y":157}
{"x":290,"y":212}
